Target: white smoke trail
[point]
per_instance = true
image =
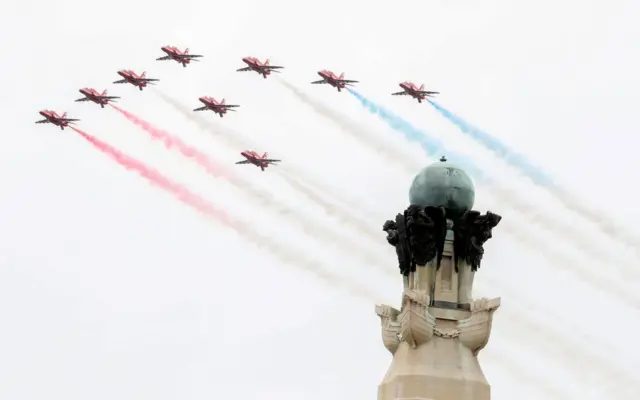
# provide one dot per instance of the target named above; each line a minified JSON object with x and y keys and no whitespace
{"x":594,"y":277}
{"x":297,"y":218}
{"x":347,"y":125}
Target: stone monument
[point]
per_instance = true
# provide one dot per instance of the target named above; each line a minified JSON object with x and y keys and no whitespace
{"x":440,"y":328}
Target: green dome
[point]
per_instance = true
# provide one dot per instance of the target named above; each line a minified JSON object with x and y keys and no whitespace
{"x":443,"y":184}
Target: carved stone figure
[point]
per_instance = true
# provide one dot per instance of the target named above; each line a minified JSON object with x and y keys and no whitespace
{"x":475,"y":330}
{"x":471,"y":232}
{"x":390,"y":327}
{"x":397,"y":238}
{"x":416,"y":324}
{"x":418,"y":236}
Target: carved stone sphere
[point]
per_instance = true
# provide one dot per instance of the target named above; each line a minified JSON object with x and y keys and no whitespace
{"x":445,"y":185}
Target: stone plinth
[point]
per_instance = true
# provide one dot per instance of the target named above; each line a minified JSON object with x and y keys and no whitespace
{"x":435,"y":358}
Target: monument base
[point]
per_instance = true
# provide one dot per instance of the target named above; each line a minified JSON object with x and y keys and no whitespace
{"x":442,"y":369}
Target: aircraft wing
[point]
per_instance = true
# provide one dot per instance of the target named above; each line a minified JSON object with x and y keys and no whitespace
{"x":163,"y":58}
{"x":43,"y":121}
{"x":346,"y":81}
{"x":319,"y":82}
{"x":190,"y":56}
{"x":243,"y":69}
{"x":427,"y":92}
{"x":269,"y":160}
{"x":200,"y":109}
{"x":273,"y":67}
{"x":83,"y":99}
{"x":69,"y":119}
{"x":399,"y":94}
{"x":244,"y":162}
{"x":121,"y":81}
{"x":147,"y":80}
{"x":109,"y":97}
{"x":229,"y":105}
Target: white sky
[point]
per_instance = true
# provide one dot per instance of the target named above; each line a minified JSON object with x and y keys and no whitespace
{"x":112,"y":288}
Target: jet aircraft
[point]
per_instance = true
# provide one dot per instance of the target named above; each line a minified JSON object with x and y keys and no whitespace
{"x":330,"y":78}
{"x":95,"y":96}
{"x":260,"y":161}
{"x":263,"y":69}
{"x":182,"y":57}
{"x":140,"y":81}
{"x":218,"y":107}
{"x":52,"y":117}
{"x":411,"y":89}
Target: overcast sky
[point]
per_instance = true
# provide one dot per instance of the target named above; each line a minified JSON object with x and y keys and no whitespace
{"x":111,"y":288}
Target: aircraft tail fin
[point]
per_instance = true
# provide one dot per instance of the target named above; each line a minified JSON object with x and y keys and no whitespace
{"x":421,"y":87}
{"x":64,"y":115}
{"x":264,"y":155}
{"x":104,"y":92}
{"x":223,"y":101}
{"x":341,"y":76}
{"x":144,"y":74}
{"x":266,"y":62}
{"x":186,"y":51}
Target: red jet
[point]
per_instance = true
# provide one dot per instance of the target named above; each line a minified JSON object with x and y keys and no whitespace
{"x":212,"y":104}
{"x":182,"y":57}
{"x":141,"y":81}
{"x":260,"y":161}
{"x":330,"y":78}
{"x":52,"y":117}
{"x":263,"y":69}
{"x":411,"y":89}
{"x":96,"y":97}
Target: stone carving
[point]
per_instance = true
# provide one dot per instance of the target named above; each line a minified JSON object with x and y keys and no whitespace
{"x":454,"y":333}
{"x":475,"y":330}
{"x":416,"y":324}
{"x":390,"y":327}
{"x":471,"y":232}
{"x":418,"y":236}
{"x":401,"y":246}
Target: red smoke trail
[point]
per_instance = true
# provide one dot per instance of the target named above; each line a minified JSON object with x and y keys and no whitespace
{"x":171,"y":142}
{"x":218,"y":171}
{"x":183,"y":194}
{"x":285,"y":253}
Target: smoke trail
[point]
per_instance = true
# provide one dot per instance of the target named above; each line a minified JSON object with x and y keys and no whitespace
{"x":361,"y":226}
{"x":569,"y":262}
{"x":212,"y":168}
{"x":432,"y":146}
{"x":198,"y":203}
{"x":292,"y":177}
{"x":285,"y":253}
{"x":537,"y":175}
{"x":234,"y":139}
{"x":345,"y":123}
{"x":594,"y":280}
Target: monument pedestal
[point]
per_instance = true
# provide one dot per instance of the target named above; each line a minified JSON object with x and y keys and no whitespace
{"x":435,"y":358}
{"x":442,"y":369}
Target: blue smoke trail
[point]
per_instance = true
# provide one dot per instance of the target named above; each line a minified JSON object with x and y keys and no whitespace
{"x":538,"y":176}
{"x":431,"y":145}
{"x":519,"y":161}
